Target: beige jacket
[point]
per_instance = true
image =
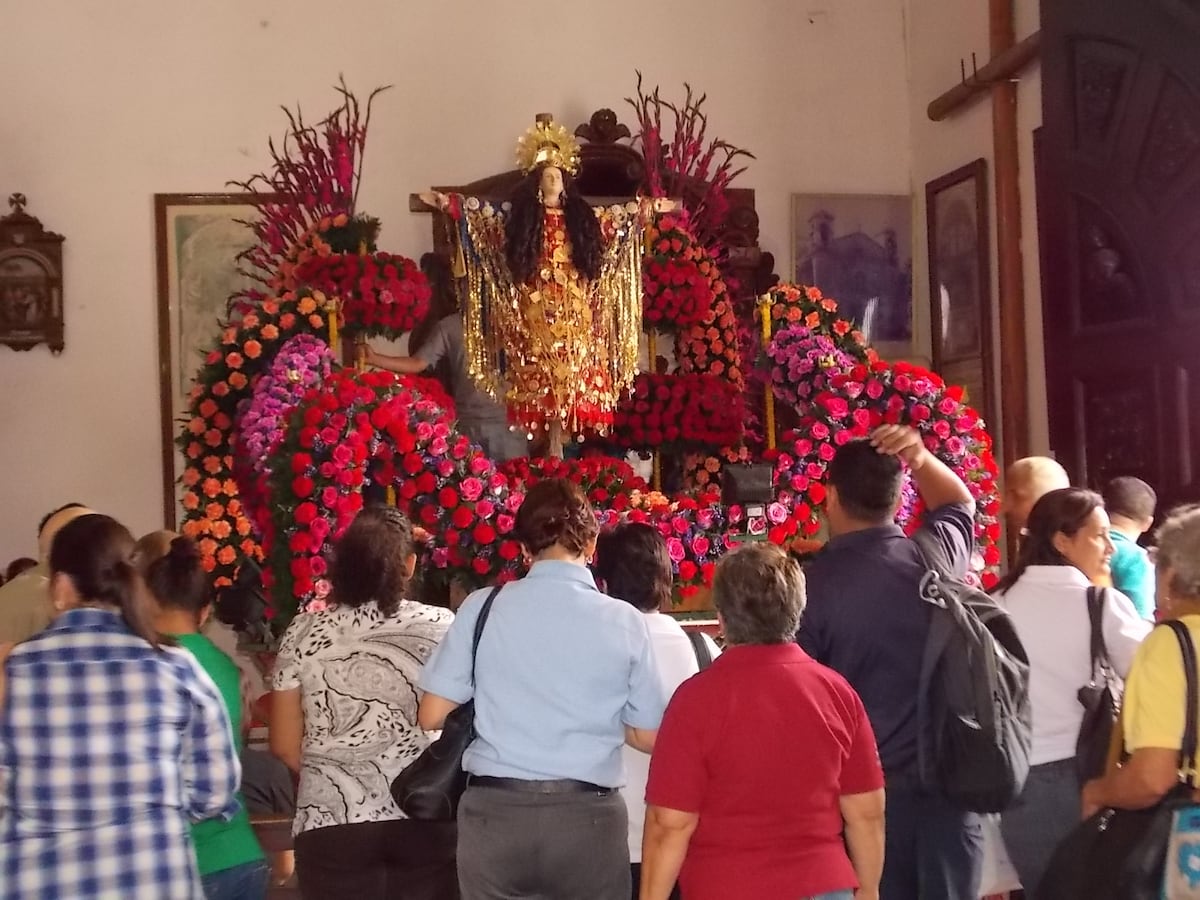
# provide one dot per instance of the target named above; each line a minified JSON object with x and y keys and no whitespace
{"x":25,"y":604}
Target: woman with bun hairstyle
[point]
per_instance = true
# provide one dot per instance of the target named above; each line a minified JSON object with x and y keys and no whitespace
{"x":231,"y":862}
{"x":112,"y":740}
{"x":564,"y":677}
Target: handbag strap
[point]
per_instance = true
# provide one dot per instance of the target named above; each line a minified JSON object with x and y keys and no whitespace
{"x":1095,"y":605}
{"x":704,"y":657}
{"x":479,"y":623}
{"x":1187,"y":750}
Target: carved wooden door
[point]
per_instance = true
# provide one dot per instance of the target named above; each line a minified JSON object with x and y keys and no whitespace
{"x":1119,"y":221}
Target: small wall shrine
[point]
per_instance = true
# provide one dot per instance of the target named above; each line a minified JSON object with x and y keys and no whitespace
{"x":31,"y":302}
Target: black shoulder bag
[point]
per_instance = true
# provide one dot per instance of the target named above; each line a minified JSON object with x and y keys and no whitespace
{"x":430,"y":787}
{"x":1121,"y":854}
{"x":1100,"y":698}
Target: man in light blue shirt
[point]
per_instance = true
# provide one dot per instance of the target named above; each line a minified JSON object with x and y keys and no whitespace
{"x":564,"y":676}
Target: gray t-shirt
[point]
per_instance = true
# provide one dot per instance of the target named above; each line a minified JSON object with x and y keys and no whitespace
{"x":446,"y":342}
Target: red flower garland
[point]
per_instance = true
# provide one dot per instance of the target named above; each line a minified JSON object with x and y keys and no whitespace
{"x":676,"y":277}
{"x":679,"y":410}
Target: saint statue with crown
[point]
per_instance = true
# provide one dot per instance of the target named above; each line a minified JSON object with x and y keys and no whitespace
{"x":551,"y":291}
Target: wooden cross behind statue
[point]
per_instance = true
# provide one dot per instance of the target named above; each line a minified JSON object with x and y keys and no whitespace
{"x":997,"y":76}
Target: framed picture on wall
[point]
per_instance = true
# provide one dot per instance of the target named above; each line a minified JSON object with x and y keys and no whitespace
{"x":960,"y":281}
{"x":197,"y":240}
{"x":857,"y":248}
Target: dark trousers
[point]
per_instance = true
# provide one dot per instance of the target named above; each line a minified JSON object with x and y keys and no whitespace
{"x":933,"y":851}
{"x":514,"y":845}
{"x":397,"y":860}
{"x":1043,"y":815}
{"x":635,"y":871}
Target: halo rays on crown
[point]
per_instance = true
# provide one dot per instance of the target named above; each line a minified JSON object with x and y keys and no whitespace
{"x":548,"y":144}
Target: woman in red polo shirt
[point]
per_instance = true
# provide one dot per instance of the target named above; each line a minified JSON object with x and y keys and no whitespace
{"x":763,"y":760}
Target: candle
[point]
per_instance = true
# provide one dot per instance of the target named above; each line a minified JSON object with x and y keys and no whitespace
{"x":764,"y":308}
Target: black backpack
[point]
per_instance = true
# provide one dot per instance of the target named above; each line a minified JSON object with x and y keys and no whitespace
{"x":973,"y":710}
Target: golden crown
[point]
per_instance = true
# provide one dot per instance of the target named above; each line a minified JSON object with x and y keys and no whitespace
{"x":547,"y":143}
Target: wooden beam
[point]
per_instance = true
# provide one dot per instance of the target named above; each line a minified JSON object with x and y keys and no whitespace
{"x":1001,"y":67}
{"x":1014,"y":364}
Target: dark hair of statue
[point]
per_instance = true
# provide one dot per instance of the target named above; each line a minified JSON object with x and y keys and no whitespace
{"x":868,"y":482}
{"x":523,"y":229}
{"x":177,"y":579}
{"x":633,"y":565}
{"x":555,"y":511}
{"x":371,"y":559}
{"x":1063,"y":511}
{"x":96,"y":553}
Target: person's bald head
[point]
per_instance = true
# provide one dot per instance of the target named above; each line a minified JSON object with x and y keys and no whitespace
{"x":151,"y":547}
{"x":1026,"y":482}
{"x":53,"y":521}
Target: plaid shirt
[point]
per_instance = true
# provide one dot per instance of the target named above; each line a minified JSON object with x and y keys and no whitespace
{"x":107,"y":749}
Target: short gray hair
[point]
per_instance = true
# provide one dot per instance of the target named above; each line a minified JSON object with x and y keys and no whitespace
{"x":759,"y":591}
{"x":1179,"y":551}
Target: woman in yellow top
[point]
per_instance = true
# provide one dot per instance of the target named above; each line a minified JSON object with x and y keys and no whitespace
{"x":1155,"y":693}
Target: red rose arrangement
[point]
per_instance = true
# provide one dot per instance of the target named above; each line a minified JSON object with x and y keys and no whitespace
{"x":677,"y":278}
{"x":605,"y":479}
{"x":678,"y":410}
{"x":381,"y":294}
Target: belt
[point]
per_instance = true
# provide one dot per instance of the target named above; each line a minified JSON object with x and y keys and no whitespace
{"x":555,"y":786}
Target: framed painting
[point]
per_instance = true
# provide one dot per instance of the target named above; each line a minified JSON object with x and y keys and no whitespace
{"x":960,"y":281}
{"x":857,"y":248}
{"x":198,"y":238}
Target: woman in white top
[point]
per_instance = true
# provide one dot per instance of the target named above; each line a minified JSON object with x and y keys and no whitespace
{"x":1065,"y":550}
{"x":632,"y":564}
{"x":344,"y":717}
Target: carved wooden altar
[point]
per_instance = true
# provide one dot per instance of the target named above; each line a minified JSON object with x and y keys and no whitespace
{"x":612,"y":171}
{"x":31,"y":305}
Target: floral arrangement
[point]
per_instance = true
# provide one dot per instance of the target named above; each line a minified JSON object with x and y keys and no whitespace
{"x":213,"y":512}
{"x":677,"y":410}
{"x":381,"y":294}
{"x":702,"y":470}
{"x":677,"y":287}
{"x":802,"y":362}
{"x":303,"y":362}
{"x":710,"y":347}
{"x":605,"y":479}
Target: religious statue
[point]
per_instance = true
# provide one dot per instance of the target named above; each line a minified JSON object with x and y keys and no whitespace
{"x":551,"y":291}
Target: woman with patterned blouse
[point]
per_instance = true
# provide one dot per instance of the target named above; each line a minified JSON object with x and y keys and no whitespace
{"x":110,"y":741}
{"x":344,"y":717}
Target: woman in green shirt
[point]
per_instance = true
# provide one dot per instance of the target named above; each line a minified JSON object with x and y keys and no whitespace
{"x":231,"y":862}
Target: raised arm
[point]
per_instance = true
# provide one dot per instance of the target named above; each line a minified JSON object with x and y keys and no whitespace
{"x":935,"y":481}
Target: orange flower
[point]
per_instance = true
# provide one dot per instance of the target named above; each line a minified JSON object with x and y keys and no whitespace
{"x":238,"y":381}
{"x":270,"y":332}
{"x":222,"y":421}
{"x":829,"y":305}
{"x":234,"y":360}
{"x":229,"y":336}
{"x":712,"y":464}
{"x":208,"y":563}
{"x":813,"y":320}
{"x":208,"y":546}
{"x":243,"y":527}
{"x":193,"y":449}
{"x":229,"y":486}
{"x":227,"y":461}
{"x":190,"y":477}
{"x":841,"y":326}
{"x":196,"y":425}
{"x":220,"y":389}
{"x":214,"y":511}
{"x":223,"y":581}
{"x":306,"y":306}
{"x":270,"y":307}
{"x":235,"y":507}
{"x":250,"y":320}
{"x":248,"y":547}
{"x":191,"y":501}
{"x":191,"y":528}
{"x":208,"y":408}
{"x":221,"y":529}
{"x":316,"y":321}
{"x":793,"y":313}
{"x":813,"y":293}
{"x":339,"y":220}
{"x":212,"y":465}
{"x":212,"y":437}
{"x":253,"y":349}
{"x":287,"y":321}
{"x":226,"y":555}
{"x":211,"y":487}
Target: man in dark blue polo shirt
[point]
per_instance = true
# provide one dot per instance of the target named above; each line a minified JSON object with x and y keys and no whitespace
{"x":866,"y":620}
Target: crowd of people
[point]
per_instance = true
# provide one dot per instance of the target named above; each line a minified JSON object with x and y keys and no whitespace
{"x":615,"y":755}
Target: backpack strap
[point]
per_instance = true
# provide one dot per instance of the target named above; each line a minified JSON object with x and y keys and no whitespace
{"x":704,"y":657}
{"x":1187,"y":748}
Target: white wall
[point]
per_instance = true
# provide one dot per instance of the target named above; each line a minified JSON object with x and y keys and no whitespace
{"x":939,"y":34}
{"x":110,"y":102}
